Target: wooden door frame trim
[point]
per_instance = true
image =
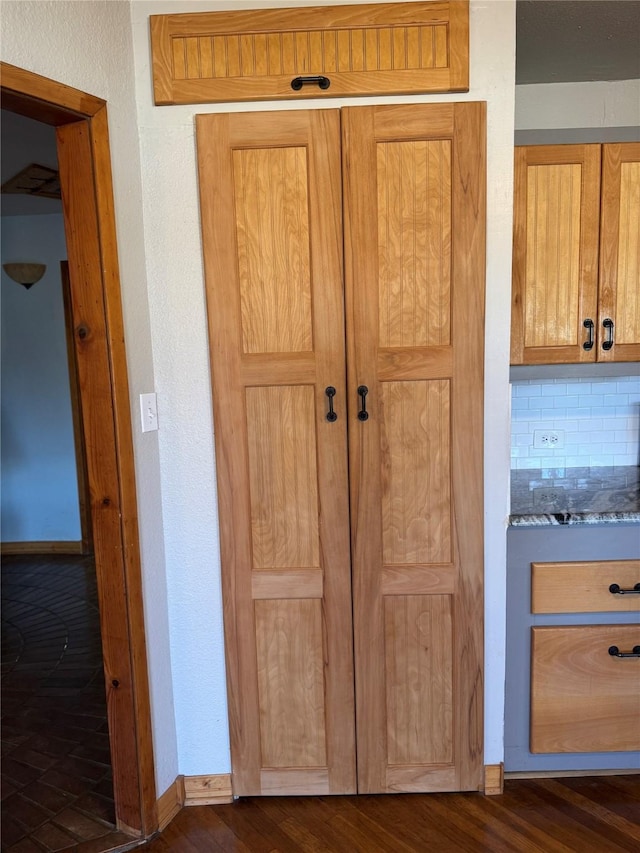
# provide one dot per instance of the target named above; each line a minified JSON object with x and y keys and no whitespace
{"x":81,"y":122}
{"x":84,"y":495}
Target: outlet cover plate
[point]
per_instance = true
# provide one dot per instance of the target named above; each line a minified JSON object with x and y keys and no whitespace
{"x":548,"y":439}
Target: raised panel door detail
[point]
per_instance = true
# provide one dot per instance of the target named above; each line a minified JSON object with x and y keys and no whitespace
{"x":272,"y":227}
{"x":415,"y":427}
{"x":628,"y":284}
{"x":414,"y":297}
{"x":288,"y":584}
{"x":291,"y":683}
{"x":419,"y":679}
{"x":414,"y":242}
{"x":556,"y":225}
{"x":281,"y":466}
{"x":283,"y":477}
{"x":553,"y":254}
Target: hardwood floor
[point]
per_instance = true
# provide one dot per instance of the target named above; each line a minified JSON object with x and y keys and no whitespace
{"x":571,"y":815}
{"x":57,"y":790}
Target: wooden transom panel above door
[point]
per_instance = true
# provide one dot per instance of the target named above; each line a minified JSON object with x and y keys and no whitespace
{"x":311,"y":52}
{"x":346,"y":355}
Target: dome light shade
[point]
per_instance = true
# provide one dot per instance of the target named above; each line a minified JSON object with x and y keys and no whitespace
{"x":25,"y":274}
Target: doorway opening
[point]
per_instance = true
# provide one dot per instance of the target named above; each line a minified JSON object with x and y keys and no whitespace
{"x":82,"y":138}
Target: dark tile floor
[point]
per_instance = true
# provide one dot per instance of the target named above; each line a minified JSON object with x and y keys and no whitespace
{"x":57,"y":792}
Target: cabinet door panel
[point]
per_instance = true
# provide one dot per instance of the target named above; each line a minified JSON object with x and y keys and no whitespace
{"x":620,"y":251}
{"x":414,"y":266}
{"x":582,"y":698}
{"x":272,"y":234}
{"x":555,"y":253}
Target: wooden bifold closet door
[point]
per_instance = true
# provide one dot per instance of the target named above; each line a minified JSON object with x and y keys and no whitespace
{"x":351,"y":544}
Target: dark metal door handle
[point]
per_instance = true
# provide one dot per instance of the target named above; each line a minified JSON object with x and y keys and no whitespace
{"x":608,"y":325}
{"x":330,"y":391}
{"x":363,"y":414}
{"x":615,"y":652}
{"x":616,"y":589}
{"x":298,"y":82}
{"x":588,"y":344}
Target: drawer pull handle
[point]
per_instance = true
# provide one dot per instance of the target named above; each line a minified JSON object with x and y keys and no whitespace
{"x":363,"y":414}
{"x":588,"y":344}
{"x":616,"y":589}
{"x":608,"y":343}
{"x":298,"y":82}
{"x":330,"y":391}
{"x":615,"y":652}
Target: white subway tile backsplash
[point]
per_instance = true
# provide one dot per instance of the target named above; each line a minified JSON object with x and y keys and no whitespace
{"x":600,"y":419}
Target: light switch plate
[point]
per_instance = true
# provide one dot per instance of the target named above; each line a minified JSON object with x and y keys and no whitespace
{"x":149,"y":412}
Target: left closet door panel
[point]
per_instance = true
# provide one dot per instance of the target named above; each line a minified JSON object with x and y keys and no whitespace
{"x":270,"y":196}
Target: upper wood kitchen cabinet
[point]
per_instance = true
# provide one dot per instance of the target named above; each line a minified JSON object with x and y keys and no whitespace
{"x":576,"y":254}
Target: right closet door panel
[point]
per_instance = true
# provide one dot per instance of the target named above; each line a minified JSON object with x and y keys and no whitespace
{"x":414,"y":207}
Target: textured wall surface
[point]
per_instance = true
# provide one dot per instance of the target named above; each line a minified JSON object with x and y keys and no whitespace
{"x":88,"y":45}
{"x":39,"y":479}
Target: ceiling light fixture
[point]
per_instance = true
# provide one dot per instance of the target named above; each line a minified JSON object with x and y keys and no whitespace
{"x":26,"y":274}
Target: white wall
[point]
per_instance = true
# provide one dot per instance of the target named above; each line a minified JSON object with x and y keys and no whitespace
{"x":557,"y":113}
{"x":39,"y":478}
{"x":178,"y":321}
{"x":88,"y":45}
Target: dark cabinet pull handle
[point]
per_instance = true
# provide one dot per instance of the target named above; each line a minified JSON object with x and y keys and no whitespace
{"x":588,"y":344}
{"x":615,"y":652}
{"x":298,"y":82}
{"x":616,"y":589}
{"x":608,"y":344}
{"x":363,"y":414}
{"x":330,"y":391}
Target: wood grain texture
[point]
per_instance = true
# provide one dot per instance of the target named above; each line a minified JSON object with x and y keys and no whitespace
{"x":85,"y":175}
{"x":84,"y":497}
{"x":54,"y":103}
{"x":493,"y":779}
{"x":594,"y":814}
{"x":291,"y":683}
{"x":283,"y":477}
{"x":414,"y":236}
{"x":82,"y":229}
{"x":409,"y":439}
{"x":170,"y":802}
{"x":419,"y":679}
{"x":42,"y":547}
{"x":415,"y":423}
{"x":207,"y":790}
{"x":555,"y":249}
{"x":282,"y":464}
{"x":272,"y":227}
{"x":254,"y":55}
{"x":619,"y":295}
{"x":582,"y":698}
{"x":584,"y":587}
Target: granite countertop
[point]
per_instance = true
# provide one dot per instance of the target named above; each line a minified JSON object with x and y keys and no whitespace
{"x":575,"y":496}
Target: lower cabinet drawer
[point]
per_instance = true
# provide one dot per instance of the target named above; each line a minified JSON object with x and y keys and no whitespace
{"x":592,"y":587}
{"x":584,"y":699}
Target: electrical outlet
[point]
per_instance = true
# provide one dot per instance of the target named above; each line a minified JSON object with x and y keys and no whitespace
{"x":547,"y":495}
{"x":548,"y":439}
